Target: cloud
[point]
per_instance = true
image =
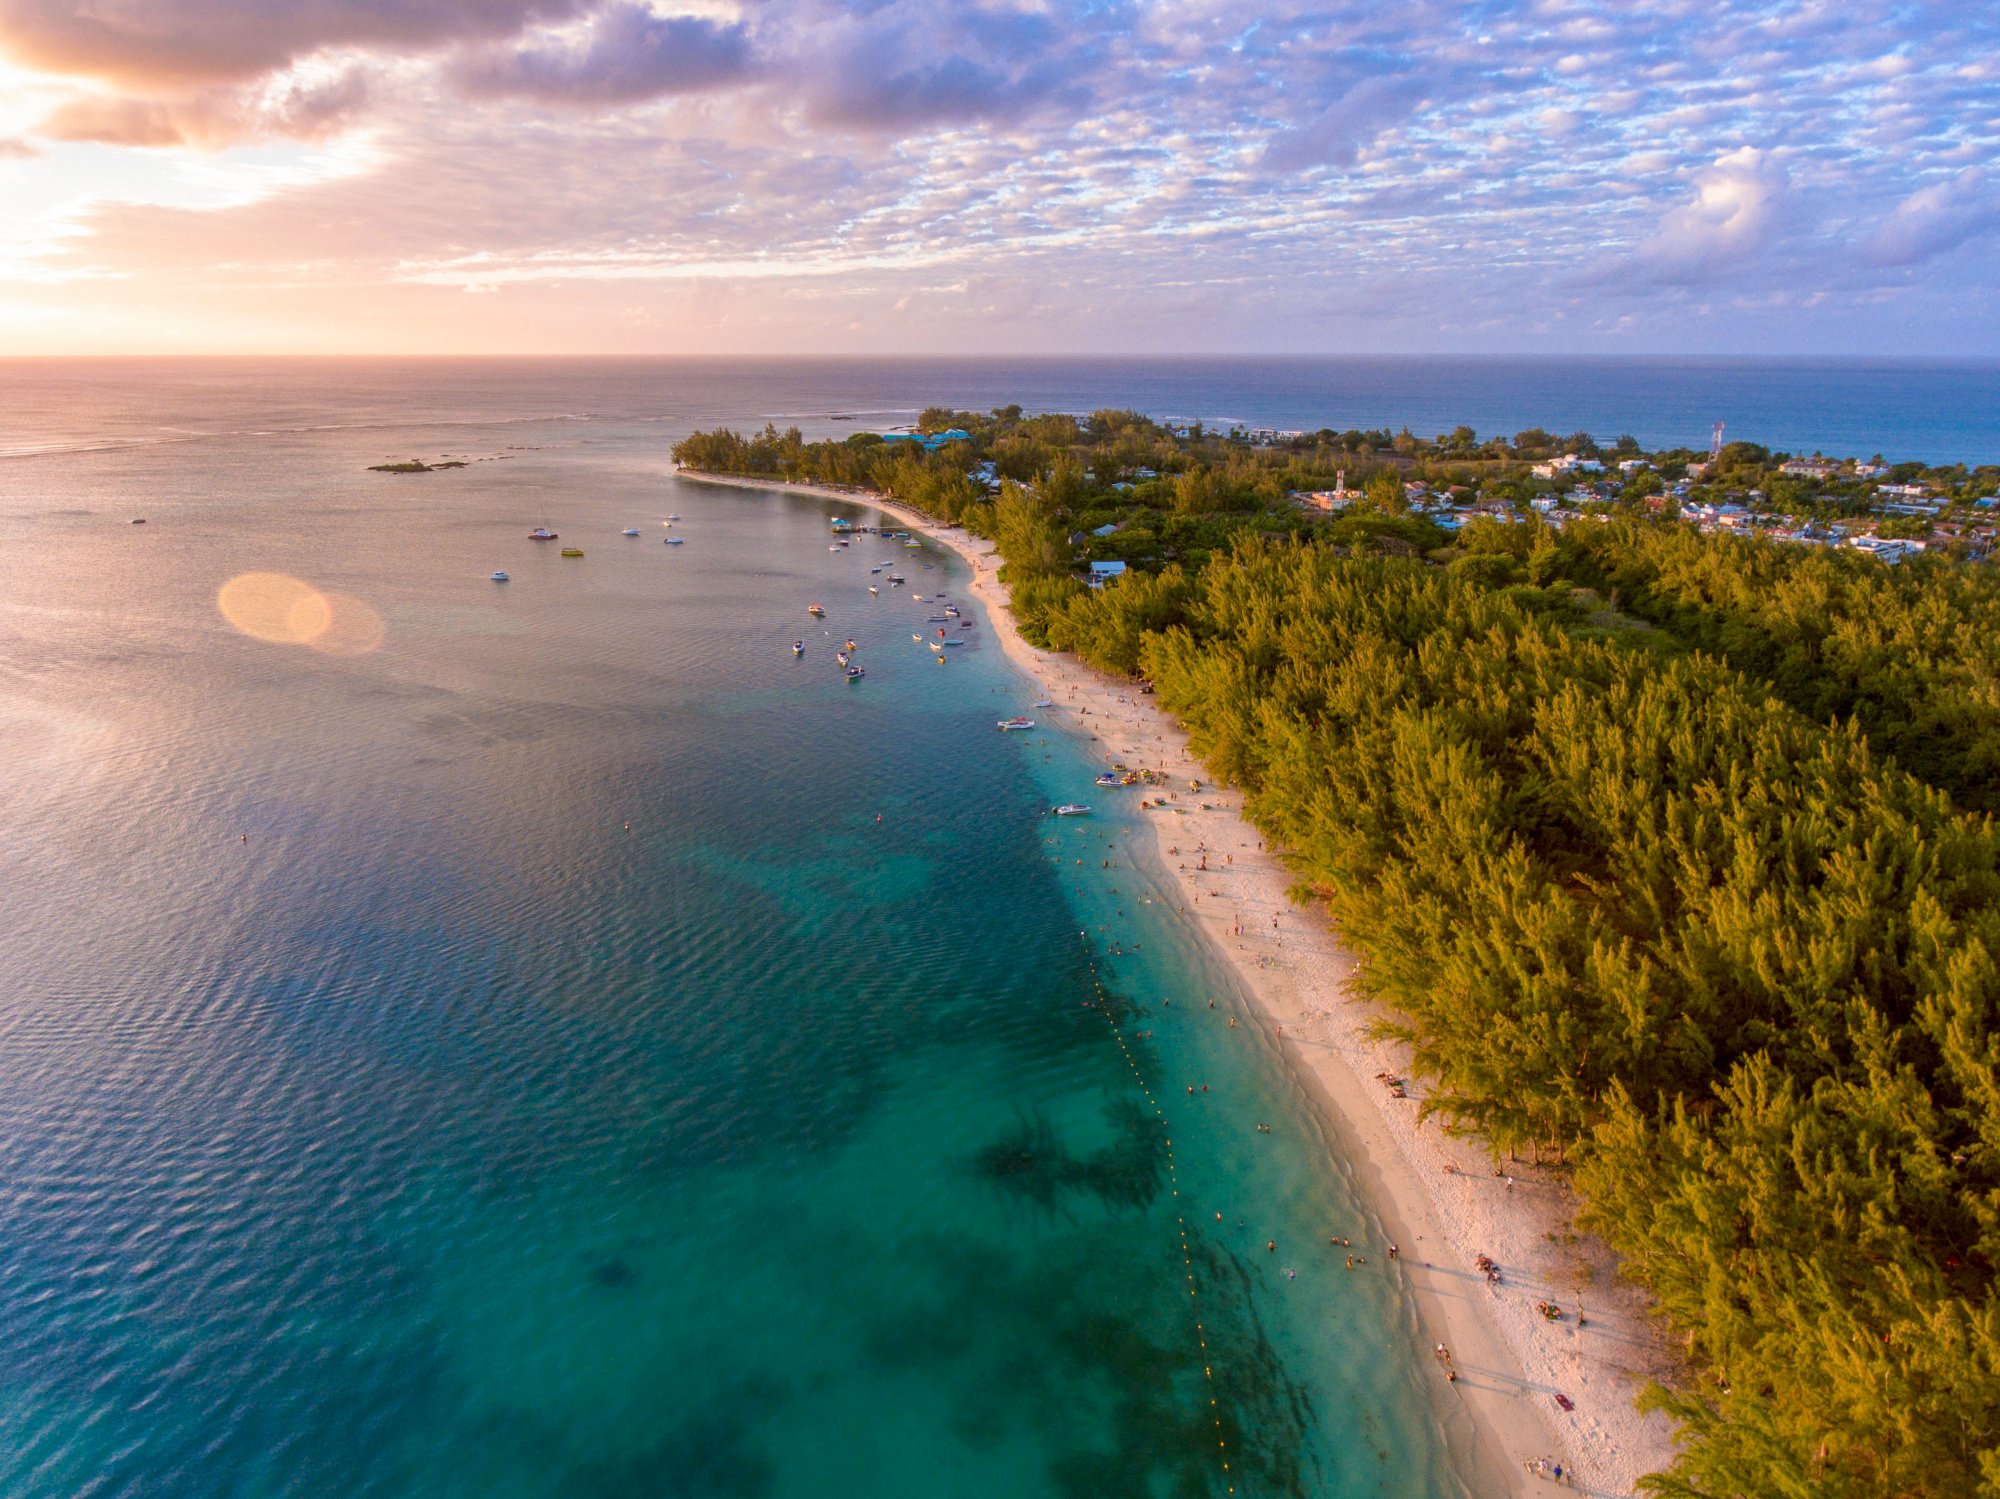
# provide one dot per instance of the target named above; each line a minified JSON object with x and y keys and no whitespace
{"x":627,"y":53}
{"x":911,"y":65}
{"x":1338,"y":134}
{"x":13,"y":147}
{"x":158,"y":43}
{"x":209,"y":119}
{"x":1935,"y":219}
{"x":1736,"y":213}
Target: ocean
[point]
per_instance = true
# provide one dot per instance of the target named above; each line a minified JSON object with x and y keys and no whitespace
{"x":546,"y":1038}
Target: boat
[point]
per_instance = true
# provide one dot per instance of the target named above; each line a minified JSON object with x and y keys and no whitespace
{"x":834,"y":548}
{"x":873,"y":589}
{"x":631,"y":531}
{"x":966,"y":624}
{"x":912,"y":546}
{"x":855,"y":674}
{"x":872,"y":569}
{"x":1016,"y":723}
{"x":918,"y":638}
{"x":1073,"y":809}
{"x":952,"y":610}
{"x":852,"y":646}
{"x":674,"y":541}
{"x":1110,"y":778}
{"x":916,"y":598}
{"x":951,"y":642}
{"x":500,"y":577}
{"x":673,"y":517}
{"x":817,"y":611}
{"x":141,"y":520}
{"x":840,"y":658}
{"x":541,"y":533}
{"x":798,"y":647}
{"x":937,"y":619}
{"x":895,"y":581}
{"x":1042,"y":702}
{"x":936,"y":647}
{"x":572,"y":551}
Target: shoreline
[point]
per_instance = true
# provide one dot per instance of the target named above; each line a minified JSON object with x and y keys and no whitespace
{"x":1440,"y":1200}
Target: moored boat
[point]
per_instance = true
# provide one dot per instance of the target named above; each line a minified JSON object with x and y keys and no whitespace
{"x":1073,"y":809}
{"x":1016,"y":723}
{"x":541,"y":533}
{"x":855,"y":673}
{"x":500,"y":577}
{"x":798,"y":647}
{"x":631,"y":531}
{"x":572,"y":551}
{"x":817,"y":611}
{"x":674,"y":541}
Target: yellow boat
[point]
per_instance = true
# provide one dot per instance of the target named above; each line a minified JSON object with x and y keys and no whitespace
{"x":572,"y":551}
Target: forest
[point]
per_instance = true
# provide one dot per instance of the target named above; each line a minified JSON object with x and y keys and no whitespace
{"x":1670,"y":855}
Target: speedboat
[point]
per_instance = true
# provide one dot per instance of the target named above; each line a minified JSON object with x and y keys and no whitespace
{"x":1042,"y":702}
{"x":500,"y":577}
{"x":873,"y":589}
{"x":912,"y":546}
{"x":1110,"y":778}
{"x":1073,"y":809}
{"x":852,"y":646}
{"x":840,"y":658}
{"x":541,"y":533}
{"x":855,"y":673}
{"x":937,"y":647}
{"x":673,"y":517}
{"x":631,"y":531}
{"x":895,"y":581}
{"x":1016,"y":723}
{"x":875,"y":569}
{"x":675,"y":541}
{"x":917,"y":638}
{"x":817,"y":611}
{"x":916,"y":598}
{"x":952,"y":610}
{"x":798,"y":647}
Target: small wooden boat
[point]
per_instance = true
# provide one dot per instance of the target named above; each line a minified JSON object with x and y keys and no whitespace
{"x":572,"y":551}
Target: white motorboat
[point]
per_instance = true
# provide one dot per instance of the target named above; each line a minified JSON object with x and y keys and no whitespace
{"x":500,"y":577}
{"x":631,"y":530}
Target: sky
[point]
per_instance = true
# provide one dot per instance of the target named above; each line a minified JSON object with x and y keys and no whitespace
{"x":966,"y":176}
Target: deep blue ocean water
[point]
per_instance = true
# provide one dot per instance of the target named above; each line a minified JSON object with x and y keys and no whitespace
{"x":560,"y":1043}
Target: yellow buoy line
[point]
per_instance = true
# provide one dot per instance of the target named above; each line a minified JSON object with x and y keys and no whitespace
{"x":1180,"y":1220}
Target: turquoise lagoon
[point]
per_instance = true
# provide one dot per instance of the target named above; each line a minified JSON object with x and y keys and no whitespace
{"x":577,"y":1048}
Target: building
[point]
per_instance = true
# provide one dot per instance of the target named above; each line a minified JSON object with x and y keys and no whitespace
{"x":1103,"y":572}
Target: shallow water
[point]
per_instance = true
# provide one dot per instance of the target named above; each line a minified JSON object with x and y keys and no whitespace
{"x":576,"y":1048}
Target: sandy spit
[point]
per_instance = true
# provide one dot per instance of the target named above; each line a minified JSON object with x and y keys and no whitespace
{"x":1440,"y":1200}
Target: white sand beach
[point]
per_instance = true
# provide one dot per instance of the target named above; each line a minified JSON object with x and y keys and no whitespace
{"x":1439,"y":1200}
